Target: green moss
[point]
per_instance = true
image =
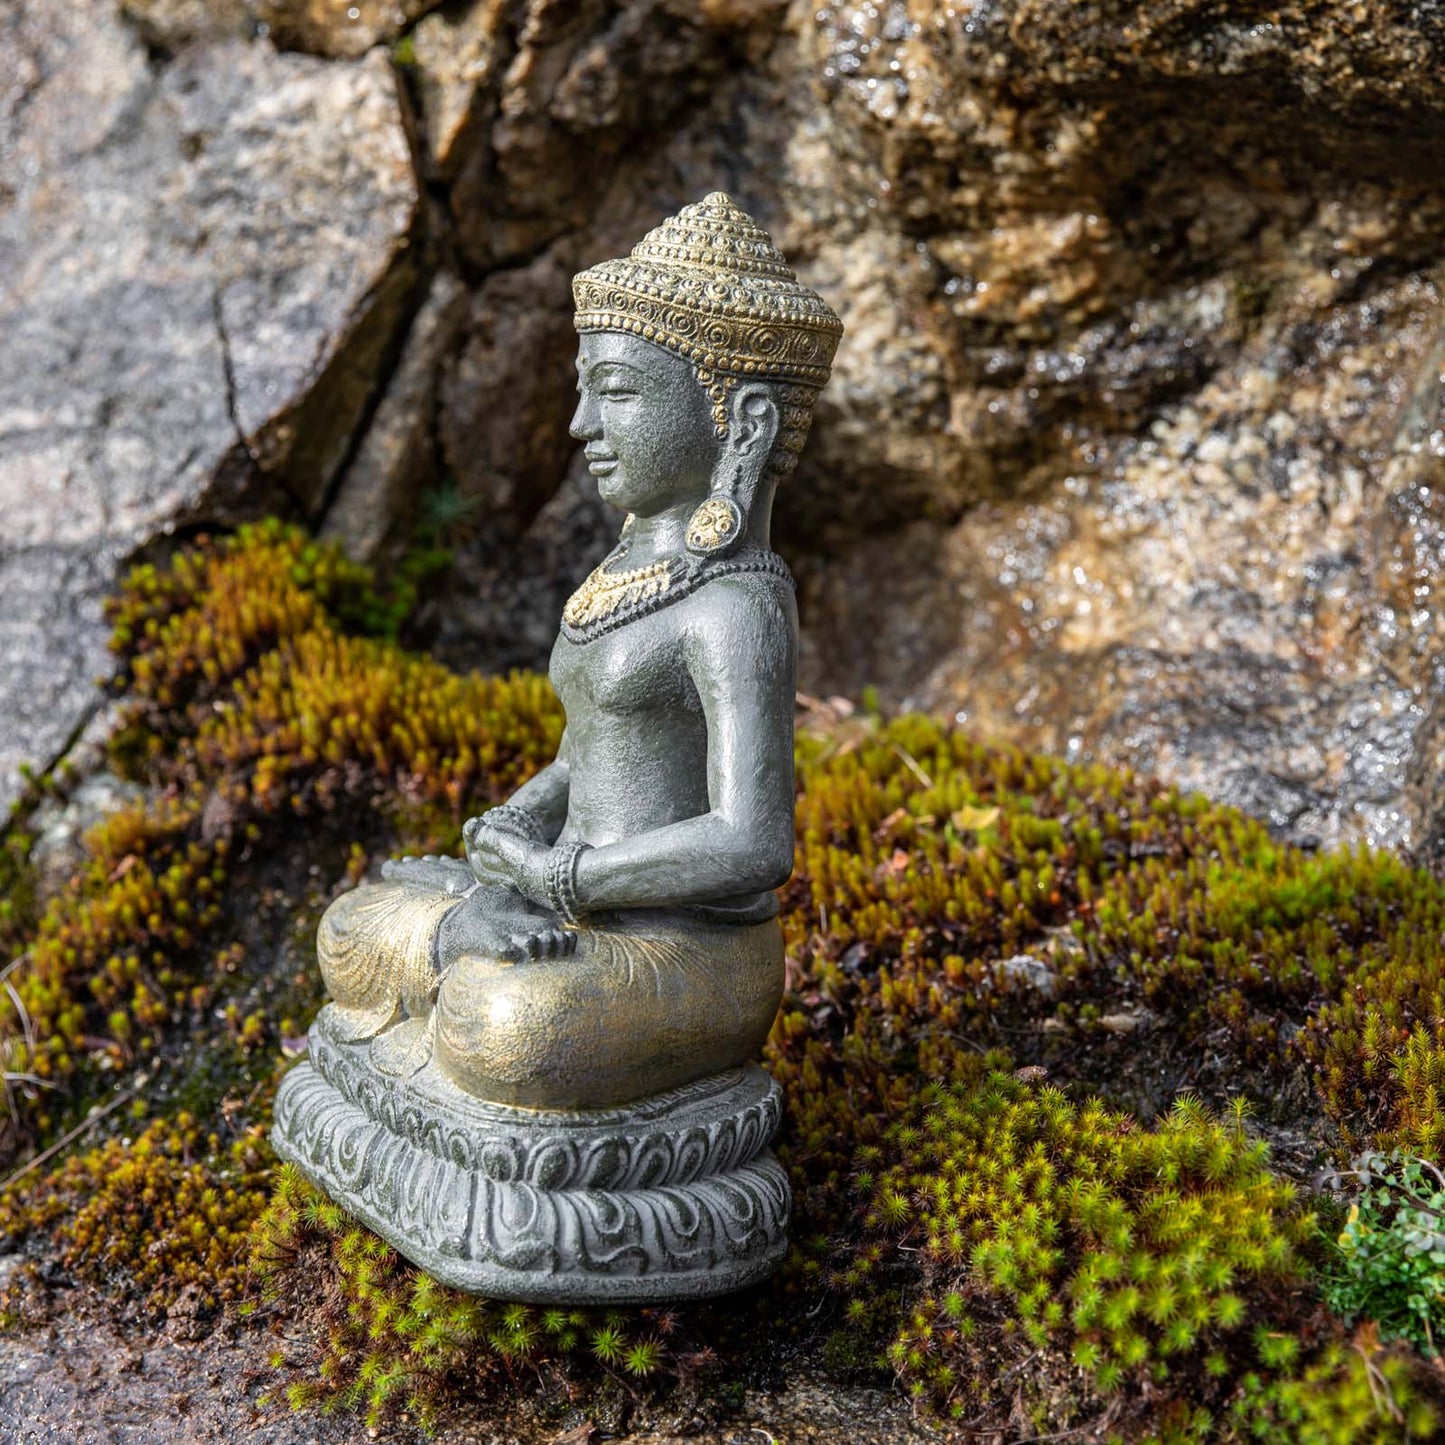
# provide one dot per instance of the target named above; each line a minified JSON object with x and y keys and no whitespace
{"x":1010,"y":1250}
{"x":394,"y":1337}
{"x":1358,"y":1395}
{"x":114,"y":956}
{"x":1044,"y":1229}
{"x":249,"y":701}
{"x":169,"y":1209}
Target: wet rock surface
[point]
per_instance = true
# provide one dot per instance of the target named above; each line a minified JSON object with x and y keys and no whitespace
{"x":1134,"y":444}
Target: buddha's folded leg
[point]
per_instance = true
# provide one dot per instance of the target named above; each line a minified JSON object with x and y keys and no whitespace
{"x":376,"y":948}
{"x":382,"y":945}
{"x":633,"y":1011}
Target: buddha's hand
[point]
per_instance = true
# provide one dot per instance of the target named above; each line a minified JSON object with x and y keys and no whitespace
{"x":497,"y":855}
{"x":443,"y":875}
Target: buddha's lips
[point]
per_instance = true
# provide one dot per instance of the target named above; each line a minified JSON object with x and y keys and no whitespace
{"x":601,"y":466}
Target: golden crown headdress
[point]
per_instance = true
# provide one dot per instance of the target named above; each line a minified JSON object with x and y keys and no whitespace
{"x":709,"y":284}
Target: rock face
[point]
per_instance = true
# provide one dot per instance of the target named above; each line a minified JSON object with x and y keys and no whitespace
{"x":1193,"y":359}
{"x":204,"y":265}
{"x":1130,"y":446}
{"x":1134,"y":447}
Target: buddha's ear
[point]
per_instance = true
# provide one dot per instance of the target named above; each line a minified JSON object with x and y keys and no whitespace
{"x":753,"y":420}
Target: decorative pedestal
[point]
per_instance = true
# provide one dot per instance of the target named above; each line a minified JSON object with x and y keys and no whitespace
{"x":671,"y":1197}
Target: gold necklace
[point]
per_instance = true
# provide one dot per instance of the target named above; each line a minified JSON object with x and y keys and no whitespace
{"x":604,"y":592}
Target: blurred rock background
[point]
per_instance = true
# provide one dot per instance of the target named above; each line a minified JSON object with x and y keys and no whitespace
{"x":1134,"y":448}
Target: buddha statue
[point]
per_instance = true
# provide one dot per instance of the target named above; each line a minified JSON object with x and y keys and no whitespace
{"x":534,"y":1075}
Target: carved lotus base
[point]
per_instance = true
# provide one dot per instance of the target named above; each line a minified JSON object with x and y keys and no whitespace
{"x":671,"y":1197}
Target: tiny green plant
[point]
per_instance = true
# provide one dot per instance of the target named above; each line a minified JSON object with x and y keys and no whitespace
{"x":1391,"y":1252}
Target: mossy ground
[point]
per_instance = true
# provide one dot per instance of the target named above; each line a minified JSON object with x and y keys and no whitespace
{"x":1001,"y":971}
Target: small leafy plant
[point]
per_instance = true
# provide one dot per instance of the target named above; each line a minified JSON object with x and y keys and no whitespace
{"x":1391,"y":1266}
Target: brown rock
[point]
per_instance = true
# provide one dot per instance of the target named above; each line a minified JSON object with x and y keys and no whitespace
{"x":586,"y":85}
{"x":169,"y":24}
{"x":1116,"y":459}
{"x":507,"y":399}
{"x":340,"y":28}
{"x":512,"y":587}
{"x":458,"y":52}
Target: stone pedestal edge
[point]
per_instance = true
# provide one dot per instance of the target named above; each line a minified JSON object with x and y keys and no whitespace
{"x":703,"y":1207}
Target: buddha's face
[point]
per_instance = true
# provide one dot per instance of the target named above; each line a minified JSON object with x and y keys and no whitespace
{"x":645,"y":423}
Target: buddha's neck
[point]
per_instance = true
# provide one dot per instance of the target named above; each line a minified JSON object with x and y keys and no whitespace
{"x":664,"y":535}
{"x":656,"y":538}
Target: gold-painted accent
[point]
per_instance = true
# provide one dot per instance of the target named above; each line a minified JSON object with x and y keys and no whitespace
{"x":405,"y":1048}
{"x":604,"y":592}
{"x":709,"y":284}
{"x":632,"y":1012}
{"x":374,"y":945}
{"x":641,"y":1006}
{"x":714,"y":525}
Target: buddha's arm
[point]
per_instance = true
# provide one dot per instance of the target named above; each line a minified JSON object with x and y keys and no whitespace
{"x":741,"y":656}
{"x":544,"y":795}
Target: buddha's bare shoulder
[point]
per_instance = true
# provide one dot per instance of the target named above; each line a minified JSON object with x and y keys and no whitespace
{"x":751,"y":609}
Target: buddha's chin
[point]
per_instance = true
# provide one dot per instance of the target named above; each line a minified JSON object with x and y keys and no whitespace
{"x":613,"y":490}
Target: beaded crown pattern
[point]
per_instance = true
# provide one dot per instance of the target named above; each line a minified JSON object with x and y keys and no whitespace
{"x":709,"y":284}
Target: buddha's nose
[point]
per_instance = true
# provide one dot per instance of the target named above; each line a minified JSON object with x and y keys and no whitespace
{"x":586,"y":423}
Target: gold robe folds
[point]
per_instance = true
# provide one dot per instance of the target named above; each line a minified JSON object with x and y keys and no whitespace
{"x":649,"y":1000}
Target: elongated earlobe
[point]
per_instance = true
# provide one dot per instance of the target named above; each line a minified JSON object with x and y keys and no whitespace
{"x":718,"y":524}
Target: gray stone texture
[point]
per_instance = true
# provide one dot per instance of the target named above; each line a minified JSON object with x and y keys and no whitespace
{"x":376,"y":499}
{"x":202,"y":264}
{"x":668,"y":1198}
{"x":1133,"y":448}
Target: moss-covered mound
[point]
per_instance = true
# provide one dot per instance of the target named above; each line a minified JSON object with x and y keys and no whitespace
{"x":1004,"y":974}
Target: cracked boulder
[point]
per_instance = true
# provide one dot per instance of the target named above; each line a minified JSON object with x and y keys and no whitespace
{"x":206,"y":265}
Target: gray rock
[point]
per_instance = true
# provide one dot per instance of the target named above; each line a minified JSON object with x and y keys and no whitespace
{"x":377,"y":494}
{"x":205,"y":264}
{"x":1023,"y":970}
{"x":80,"y":1379}
{"x":60,"y":826}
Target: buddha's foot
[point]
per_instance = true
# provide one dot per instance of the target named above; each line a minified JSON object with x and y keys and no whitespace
{"x":379,"y":945}
{"x":675,"y":1196}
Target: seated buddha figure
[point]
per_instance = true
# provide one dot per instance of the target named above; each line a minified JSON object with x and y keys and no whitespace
{"x":613,"y":930}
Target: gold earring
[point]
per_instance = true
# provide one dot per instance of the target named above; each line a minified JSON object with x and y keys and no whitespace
{"x":717,"y":525}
